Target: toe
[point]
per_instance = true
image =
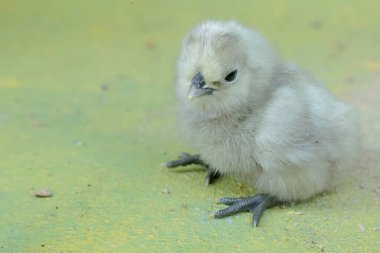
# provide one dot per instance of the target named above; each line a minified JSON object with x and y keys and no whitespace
{"x":211,"y":176}
{"x":257,"y":213}
{"x":228,"y":201}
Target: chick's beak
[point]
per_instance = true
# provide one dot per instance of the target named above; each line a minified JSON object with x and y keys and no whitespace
{"x":197,"y":87}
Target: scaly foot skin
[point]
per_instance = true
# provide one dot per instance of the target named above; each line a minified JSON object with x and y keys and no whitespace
{"x":187,"y":159}
{"x":255,"y":204}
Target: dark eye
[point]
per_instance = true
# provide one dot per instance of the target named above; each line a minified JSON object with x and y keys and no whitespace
{"x":231,"y":76}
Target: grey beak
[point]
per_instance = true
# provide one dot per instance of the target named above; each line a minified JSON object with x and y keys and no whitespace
{"x":197,"y":87}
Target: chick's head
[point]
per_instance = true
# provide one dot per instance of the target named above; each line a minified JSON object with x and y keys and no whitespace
{"x":222,"y":67}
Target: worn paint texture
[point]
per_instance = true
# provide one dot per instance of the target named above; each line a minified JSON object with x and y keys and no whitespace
{"x":87,"y":110}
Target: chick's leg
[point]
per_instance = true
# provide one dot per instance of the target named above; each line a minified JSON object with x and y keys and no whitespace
{"x":255,"y":204}
{"x":187,"y":159}
{"x":211,"y":176}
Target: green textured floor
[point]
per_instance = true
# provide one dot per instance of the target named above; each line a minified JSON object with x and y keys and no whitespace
{"x":87,"y":109}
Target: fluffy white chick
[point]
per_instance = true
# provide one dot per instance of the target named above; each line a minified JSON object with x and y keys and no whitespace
{"x":250,"y":115}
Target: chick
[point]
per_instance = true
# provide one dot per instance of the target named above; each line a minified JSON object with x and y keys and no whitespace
{"x":253,"y":116}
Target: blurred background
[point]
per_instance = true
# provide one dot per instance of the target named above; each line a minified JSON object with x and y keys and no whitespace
{"x":87,"y":110}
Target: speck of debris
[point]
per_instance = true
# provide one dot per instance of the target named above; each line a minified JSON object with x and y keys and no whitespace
{"x":299,"y":213}
{"x":165,"y":191}
{"x":320,"y":246}
{"x":340,"y":47}
{"x":43,"y":193}
{"x":171,"y":209}
{"x":42,"y":245}
{"x":89,"y":185}
{"x":316,"y":24}
{"x":38,"y":124}
{"x":150,"y":44}
{"x":56,"y":207}
{"x":349,"y":80}
{"x":361,"y":227}
{"x":105,"y":87}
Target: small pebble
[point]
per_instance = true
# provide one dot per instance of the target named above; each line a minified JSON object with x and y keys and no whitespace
{"x":43,"y":193}
{"x":166,"y":191}
{"x":150,"y":44}
{"x":320,"y":246}
{"x":361,"y":227}
{"x":105,"y":87}
{"x":316,"y":24}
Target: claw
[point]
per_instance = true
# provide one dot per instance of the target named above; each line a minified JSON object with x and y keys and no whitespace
{"x":211,"y":176}
{"x":257,"y":213}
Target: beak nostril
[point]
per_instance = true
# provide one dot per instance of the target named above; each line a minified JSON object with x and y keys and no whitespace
{"x":198,"y":81}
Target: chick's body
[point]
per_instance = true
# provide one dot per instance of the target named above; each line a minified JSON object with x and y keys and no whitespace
{"x":272,"y":126}
{"x":250,"y":115}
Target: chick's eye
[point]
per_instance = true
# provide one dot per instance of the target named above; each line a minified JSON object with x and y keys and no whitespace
{"x":231,"y":76}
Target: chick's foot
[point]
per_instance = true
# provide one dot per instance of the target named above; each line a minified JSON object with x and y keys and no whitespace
{"x":186,"y":159}
{"x":255,"y":204}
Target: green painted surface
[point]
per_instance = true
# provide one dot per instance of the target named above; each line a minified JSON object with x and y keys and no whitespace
{"x":87,"y":109}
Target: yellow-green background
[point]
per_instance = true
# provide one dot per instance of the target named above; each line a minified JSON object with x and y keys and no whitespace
{"x":87,"y":109}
